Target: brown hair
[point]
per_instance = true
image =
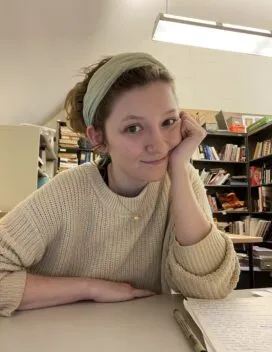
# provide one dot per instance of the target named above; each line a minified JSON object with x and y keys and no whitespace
{"x":135,"y":77}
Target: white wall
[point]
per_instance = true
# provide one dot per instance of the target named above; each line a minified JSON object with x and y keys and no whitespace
{"x":205,"y":79}
{"x":46,"y":43}
{"x":52,"y":122}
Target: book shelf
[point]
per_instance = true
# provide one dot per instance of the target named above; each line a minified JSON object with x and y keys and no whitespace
{"x":257,"y":167}
{"x":247,"y":192}
{"x":27,"y":155}
{"x":260,"y":171}
{"x":235,"y":167}
{"x":72,"y":148}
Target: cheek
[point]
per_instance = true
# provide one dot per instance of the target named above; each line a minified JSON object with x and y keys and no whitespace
{"x":175,"y":138}
{"x":126,"y":148}
{"x":132,"y":149}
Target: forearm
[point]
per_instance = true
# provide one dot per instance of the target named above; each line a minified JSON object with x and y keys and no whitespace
{"x":190,"y":221}
{"x":41,"y":291}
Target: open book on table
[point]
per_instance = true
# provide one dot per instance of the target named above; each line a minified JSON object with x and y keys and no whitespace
{"x":234,"y":324}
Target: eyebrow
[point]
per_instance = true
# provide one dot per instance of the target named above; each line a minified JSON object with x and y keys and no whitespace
{"x":135,"y":117}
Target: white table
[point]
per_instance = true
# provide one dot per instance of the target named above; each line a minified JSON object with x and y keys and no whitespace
{"x":140,"y":325}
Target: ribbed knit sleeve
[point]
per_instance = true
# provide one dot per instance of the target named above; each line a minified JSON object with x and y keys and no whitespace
{"x":208,"y":269}
{"x":24,"y":234}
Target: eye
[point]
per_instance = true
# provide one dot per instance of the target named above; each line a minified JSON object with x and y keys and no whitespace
{"x":169,"y":122}
{"x":133,"y":129}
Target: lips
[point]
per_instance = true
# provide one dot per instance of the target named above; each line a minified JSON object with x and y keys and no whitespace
{"x":157,"y":161}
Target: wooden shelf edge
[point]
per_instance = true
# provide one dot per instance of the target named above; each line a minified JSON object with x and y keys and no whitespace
{"x":245,"y":239}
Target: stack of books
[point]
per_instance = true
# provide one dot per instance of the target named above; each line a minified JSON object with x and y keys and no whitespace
{"x":262,"y":257}
{"x":68,"y":138}
{"x":67,"y":161}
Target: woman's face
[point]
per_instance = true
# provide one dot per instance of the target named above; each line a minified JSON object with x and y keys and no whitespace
{"x":141,"y":131}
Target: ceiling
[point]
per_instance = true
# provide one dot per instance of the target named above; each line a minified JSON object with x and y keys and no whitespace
{"x":43,"y":44}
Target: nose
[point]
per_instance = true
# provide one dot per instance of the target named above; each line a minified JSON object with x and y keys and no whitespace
{"x":156,"y":143}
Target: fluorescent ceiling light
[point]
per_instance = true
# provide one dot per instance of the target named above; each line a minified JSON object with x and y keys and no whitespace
{"x":189,"y":19}
{"x":212,"y":35}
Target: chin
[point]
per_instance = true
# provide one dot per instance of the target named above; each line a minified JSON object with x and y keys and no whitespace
{"x":154,"y":176}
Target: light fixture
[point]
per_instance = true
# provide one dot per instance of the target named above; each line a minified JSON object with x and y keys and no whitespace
{"x":212,"y":35}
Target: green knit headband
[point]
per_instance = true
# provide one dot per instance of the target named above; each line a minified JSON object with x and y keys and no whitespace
{"x":105,"y":76}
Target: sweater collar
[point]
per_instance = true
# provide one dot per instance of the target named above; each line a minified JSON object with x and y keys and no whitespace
{"x":121,"y":203}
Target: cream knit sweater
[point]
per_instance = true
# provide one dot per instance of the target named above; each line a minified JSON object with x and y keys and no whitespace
{"x":76,"y":226}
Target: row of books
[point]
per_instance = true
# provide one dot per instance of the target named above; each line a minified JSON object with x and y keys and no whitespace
{"x":249,"y":226}
{"x":214,"y":176}
{"x":73,"y":149}
{"x":230,"y":152}
{"x":68,"y":138}
{"x":226,"y":202}
{"x":70,"y":160}
{"x":262,"y":148}
{"x":264,"y":201}
{"x":67,"y":161}
{"x":260,"y":175}
{"x":262,"y":228}
{"x":219,"y":176}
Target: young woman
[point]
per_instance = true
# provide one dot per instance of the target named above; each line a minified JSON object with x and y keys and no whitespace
{"x":136,"y":224}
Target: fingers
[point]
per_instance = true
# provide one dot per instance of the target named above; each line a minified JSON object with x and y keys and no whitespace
{"x":186,"y":117}
{"x":142,"y":293}
{"x":191,"y":124}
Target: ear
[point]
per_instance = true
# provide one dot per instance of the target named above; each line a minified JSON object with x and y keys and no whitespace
{"x":96,"y":138}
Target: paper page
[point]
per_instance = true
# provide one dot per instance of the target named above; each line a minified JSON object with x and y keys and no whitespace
{"x":268,"y":289}
{"x":261,"y":293}
{"x":234,"y":325}
{"x":209,"y":347}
